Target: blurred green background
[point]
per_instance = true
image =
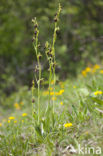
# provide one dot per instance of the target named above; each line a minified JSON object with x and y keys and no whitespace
{"x":79,"y":42}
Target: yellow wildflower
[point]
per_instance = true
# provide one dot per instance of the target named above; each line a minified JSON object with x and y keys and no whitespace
{"x":53,"y":98}
{"x":84,"y":73}
{"x":51,"y":93}
{"x":15,"y":121}
{"x":101,"y":71}
{"x":96,"y":66}
{"x":68,"y":125}
{"x":57,"y":93}
{"x":98,"y":92}
{"x":86,"y":132}
{"x":88,"y":69}
{"x":61,"y":91}
{"x":0,"y":124}
{"x":8,"y":121}
{"x":16,"y":105}
{"x":74,"y":86}
{"x":61,"y":103}
{"x":24,"y":114}
{"x":11,"y":118}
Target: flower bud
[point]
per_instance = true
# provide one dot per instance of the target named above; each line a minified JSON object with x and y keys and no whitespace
{"x":33,"y":100}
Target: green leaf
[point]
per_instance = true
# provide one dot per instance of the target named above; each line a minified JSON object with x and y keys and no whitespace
{"x":97,"y":100}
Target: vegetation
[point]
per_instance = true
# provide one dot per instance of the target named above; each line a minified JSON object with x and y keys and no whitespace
{"x":51,"y":105}
{"x":78,"y":118}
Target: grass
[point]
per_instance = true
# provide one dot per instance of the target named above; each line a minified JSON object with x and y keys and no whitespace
{"x":78,"y":101}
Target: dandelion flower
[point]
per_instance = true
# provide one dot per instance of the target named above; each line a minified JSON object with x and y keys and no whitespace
{"x":98,"y":92}
{"x":61,"y":91}
{"x":16,"y":105}
{"x":8,"y":121}
{"x":101,"y":71}
{"x":68,"y":125}
{"x":51,"y":93}
{"x":0,"y":124}
{"x":11,"y":118}
{"x":56,"y":93}
{"x":24,"y":114}
{"x":61,"y":103}
{"x":15,"y":121}
{"x":88,"y":69}
{"x":74,"y":87}
{"x":96,"y":66}
{"x":84,"y":73}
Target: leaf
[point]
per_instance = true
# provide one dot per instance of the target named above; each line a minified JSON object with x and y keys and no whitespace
{"x":97,"y":100}
{"x":74,"y":109}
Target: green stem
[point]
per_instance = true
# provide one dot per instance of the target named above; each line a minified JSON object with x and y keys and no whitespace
{"x":53,"y":45}
{"x":39,"y":90}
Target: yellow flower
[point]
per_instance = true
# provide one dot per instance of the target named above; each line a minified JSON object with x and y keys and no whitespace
{"x":61,"y":91}
{"x":74,"y":86}
{"x":24,"y":114}
{"x":22,"y":121}
{"x":101,"y":71}
{"x":61,"y":103}
{"x":88,"y":69}
{"x":84,"y":73}
{"x":98,"y":92}
{"x":53,"y":98}
{"x":8,"y":121}
{"x":16,"y":105}
{"x":86,"y":132}
{"x":0,"y":124}
{"x":96,"y":66}
{"x":56,"y":93}
{"x":51,"y":93}
{"x":11,"y":118}
{"x":15,"y":121}
{"x":68,"y":125}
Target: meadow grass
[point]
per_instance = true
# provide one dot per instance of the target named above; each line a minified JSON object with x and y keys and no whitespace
{"x":78,"y":101}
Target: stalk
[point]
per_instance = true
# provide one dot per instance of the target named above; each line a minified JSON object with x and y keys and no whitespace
{"x":38,"y":68}
{"x":56,"y":28}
